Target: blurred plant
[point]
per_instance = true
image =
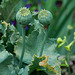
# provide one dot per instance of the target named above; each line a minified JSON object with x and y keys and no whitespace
{"x":65,"y":62}
{"x":68,"y":48}
{"x":61,"y":42}
{"x":69,"y":45}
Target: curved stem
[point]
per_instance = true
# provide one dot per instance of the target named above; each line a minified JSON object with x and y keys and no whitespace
{"x":45,"y":37}
{"x":23,"y":47}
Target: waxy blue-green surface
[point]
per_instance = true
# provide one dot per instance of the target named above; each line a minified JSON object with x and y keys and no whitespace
{"x":24,"y":16}
{"x":45,"y":17}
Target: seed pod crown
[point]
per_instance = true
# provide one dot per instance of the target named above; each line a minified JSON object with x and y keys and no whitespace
{"x":24,"y":16}
{"x":45,"y":17}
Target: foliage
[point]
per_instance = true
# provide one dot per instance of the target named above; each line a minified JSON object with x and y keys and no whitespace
{"x":31,"y":48}
{"x":63,"y":24}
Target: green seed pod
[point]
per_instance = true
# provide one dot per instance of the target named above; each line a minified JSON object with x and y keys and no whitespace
{"x":24,"y":16}
{"x":45,"y":17}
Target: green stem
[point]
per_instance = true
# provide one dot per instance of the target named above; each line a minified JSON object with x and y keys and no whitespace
{"x":23,"y":48}
{"x":45,"y":37}
{"x":68,"y":60}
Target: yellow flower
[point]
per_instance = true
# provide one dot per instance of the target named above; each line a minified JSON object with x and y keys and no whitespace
{"x":68,"y":46}
{"x":62,"y":42}
{"x":59,"y":40}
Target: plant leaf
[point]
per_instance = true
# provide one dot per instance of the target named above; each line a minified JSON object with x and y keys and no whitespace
{"x":25,"y":72}
{"x":42,"y":64}
{"x":3,"y":55}
{"x":4,"y":70}
{"x":32,"y":48}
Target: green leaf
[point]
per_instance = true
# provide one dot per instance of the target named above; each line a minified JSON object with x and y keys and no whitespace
{"x":20,"y":72}
{"x":3,"y":55}
{"x":30,"y":48}
{"x":13,"y":69}
{"x":33,"y":48}
{"x":7,"y":29}
{"x":35,"y":64}
{"x":49,"y":49}
{"x":4,"y":70}
{"x":9,"y":33}
{"x":2,"y":28}
{"x":2,"y":47}
{"x":38,"y":26}
{"x":43,"y":64}
{"x":33,"y":45}
{"x":9,"y":47}
{"x":8,"y":66}
{"x":15,"y":36}
{"x":25,"y":72}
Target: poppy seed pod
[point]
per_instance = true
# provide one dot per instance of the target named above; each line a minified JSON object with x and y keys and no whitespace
{"x":24,"y":16}
{"x":45,"y":17}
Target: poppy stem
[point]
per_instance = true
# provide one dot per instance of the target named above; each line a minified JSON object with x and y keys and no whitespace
{"x":42,"y":47}
{"x":23,"y":47}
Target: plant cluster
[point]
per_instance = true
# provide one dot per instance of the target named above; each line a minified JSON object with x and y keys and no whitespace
{"x":28,"y":31}
{"x":36,"y":52}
